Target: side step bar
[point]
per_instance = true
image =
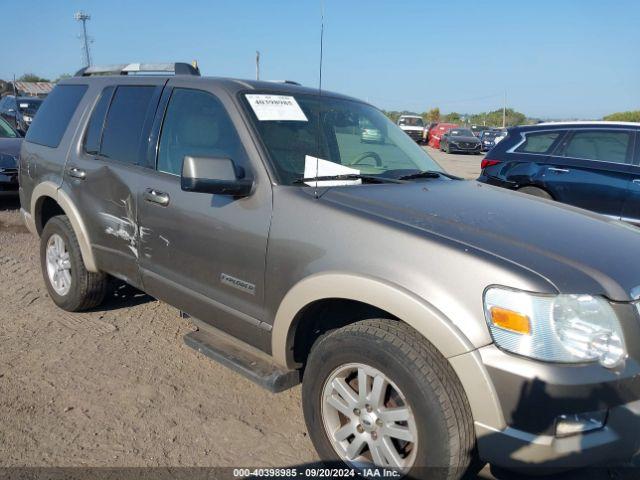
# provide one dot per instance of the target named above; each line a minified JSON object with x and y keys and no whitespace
{"x":244,"y":359}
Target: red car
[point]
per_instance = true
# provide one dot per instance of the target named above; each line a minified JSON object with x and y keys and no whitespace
{"x":437,"y":131}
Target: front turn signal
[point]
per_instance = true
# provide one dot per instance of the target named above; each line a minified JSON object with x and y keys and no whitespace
{"x":510,"y":320}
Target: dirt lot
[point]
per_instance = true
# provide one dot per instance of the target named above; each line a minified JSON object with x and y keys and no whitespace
{"x":464,"y":165}
{"x":117,"y":387}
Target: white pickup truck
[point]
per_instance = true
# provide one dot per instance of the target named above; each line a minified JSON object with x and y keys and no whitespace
{"x":413,"y":125}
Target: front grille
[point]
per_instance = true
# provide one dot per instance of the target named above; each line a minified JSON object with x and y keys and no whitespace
{"x":468,"y":145}
{"x":415,"y":134}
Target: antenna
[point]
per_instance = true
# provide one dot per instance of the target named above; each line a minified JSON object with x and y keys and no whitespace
{"x":319,"y":100}
{"x":81,"y":16}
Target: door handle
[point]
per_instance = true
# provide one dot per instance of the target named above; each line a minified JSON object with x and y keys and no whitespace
{"x":76,"y":172}
{"x":636,"y":181}
{"x":154,"y":196}
{"x":558,"y":170}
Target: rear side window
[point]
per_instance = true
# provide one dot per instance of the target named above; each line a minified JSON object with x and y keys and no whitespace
{"x":123,"y":126}
{"x":53,"y":117}
{"x":539,"y":142}
{"x":93,"y":135}
{"x":606,"y":146}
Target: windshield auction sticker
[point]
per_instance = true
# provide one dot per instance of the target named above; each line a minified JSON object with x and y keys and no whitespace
{"x":276,"y":107}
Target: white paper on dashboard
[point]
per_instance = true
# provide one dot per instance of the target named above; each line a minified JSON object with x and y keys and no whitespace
{"x":24,"y":105}
{"x":317,"y":167}
{"x":276,"y":107}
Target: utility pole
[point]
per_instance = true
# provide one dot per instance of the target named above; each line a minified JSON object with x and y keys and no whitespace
{"x":504,"y":110}
{"x":81,"y":16}
{"x":257,"y":65}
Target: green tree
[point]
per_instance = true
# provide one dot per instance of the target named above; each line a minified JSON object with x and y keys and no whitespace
{"x":630,"y":116}
{"x":32,"y":77}
{"x":453,"y":117}
{"x":62,"y":77}
{"x":432,"y":115}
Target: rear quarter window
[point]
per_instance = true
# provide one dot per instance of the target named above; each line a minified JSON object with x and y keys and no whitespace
{"x":538,"y":142}
{"x":53,"y":117}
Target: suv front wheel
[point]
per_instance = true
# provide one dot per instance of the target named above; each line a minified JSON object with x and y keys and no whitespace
{"x":70,"y":285}
{"x":377,"y":393}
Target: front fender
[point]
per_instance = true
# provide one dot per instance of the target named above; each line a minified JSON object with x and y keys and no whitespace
{"x":399,"y":302}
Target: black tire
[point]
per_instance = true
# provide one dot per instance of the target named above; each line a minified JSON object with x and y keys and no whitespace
{"x":446,"y":439}
{"x":88,"y":289}
{"x":536,"y":192}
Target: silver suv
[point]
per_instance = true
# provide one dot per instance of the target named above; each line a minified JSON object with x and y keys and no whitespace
{"x":434,"y":323}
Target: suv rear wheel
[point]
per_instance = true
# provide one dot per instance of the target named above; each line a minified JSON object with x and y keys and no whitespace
{"x":377,"y":393}
{"x":69,"y":283}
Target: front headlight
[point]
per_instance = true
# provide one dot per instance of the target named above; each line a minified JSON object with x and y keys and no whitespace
{"x":560,"y":328}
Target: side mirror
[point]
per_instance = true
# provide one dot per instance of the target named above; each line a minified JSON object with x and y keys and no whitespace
{"x":219,"y":176}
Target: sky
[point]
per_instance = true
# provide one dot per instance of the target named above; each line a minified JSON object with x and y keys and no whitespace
{"x":554,"y":59}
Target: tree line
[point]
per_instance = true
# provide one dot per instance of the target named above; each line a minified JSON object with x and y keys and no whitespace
{"x":490,"y":119}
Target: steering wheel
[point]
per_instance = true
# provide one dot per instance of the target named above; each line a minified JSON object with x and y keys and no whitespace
{"x":362,"y":156}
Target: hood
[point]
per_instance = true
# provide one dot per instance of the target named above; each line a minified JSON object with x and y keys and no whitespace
{"x":463,"y":138}
{"x":574,"y":250}
{"x":10,"y":146}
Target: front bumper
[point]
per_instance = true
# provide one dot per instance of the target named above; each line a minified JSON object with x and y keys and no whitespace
{"x":414,"y":134}
{"x":534,"y":395}
{"x":456,"y":147}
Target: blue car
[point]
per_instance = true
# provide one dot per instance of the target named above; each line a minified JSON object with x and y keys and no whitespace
{"x":591,"y":165}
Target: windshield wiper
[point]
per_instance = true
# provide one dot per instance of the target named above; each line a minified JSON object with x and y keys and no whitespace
{"x":349,"y":176}
{"x":428,"y":174}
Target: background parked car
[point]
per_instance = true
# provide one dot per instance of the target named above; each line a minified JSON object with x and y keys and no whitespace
{"x":412,"y":125}
{"x":589,"y":165}
{"x":437,"y":131}
{"x":10,"y":142}
{"x":501,"y":135}
{"x":487,"y":138}
{"x":477,"y":130}
{"x":19,"y":111}
{"x":460,"y":140}
{"x":427,"y":130}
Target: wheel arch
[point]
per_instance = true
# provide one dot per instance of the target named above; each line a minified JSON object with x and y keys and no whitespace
{"x":399,"y":304}
{"x":535,"y":185}
{"x":378,"y":294}
{"x":41,"y":198}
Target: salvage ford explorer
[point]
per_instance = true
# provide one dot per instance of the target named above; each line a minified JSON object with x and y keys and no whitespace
{"x":433,"y":322}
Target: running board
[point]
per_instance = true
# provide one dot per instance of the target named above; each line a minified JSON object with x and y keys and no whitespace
{"x":233,"y":354}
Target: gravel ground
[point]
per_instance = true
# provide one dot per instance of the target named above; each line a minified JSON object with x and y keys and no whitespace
{"x":116,"y":387}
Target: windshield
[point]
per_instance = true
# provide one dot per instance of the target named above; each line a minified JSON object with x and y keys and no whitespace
{"x":295,"y":143}
{"x":6,"y":131}
{"x":460,"y":132}
{"x":489,"y":135}
{"x":29,"y":104}
{"x":411,"y":122}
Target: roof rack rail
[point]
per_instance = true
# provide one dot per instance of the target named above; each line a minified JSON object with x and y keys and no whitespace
{"x":178,"y":68}
{"x":290,"y":82}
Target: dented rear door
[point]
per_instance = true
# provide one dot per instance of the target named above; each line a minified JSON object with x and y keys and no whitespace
{"x":105,"y":176}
